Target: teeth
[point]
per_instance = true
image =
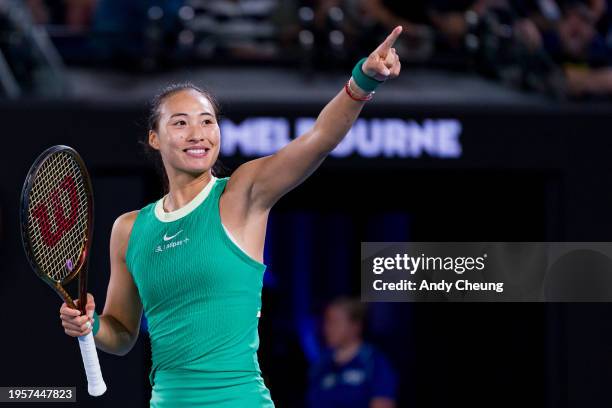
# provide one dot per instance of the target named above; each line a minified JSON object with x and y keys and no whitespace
{"x":197,"y":151}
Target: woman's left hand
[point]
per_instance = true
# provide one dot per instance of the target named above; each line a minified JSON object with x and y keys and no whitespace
{"x":384,"y":62}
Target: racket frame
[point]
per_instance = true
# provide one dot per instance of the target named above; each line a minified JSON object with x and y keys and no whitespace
{"x":82,"y":263}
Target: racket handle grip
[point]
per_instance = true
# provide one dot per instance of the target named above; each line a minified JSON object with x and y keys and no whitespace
{"x":95,"y":382}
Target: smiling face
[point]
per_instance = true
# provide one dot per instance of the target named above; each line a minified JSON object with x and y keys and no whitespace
{"x":187,"y":134}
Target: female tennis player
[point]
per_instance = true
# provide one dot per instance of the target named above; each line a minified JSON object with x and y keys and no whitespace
{"x":193,"y":259}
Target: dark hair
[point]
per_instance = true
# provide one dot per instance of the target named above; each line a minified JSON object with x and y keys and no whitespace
{"x":153,"y":123}
{"x":355,"y":310}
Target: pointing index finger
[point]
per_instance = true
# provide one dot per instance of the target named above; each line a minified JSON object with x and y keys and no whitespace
{"x":386,"y":45}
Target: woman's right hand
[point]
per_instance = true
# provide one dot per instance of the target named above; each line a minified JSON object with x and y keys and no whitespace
{"x":74,"y":323}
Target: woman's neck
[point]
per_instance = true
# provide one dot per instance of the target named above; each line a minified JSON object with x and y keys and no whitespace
{"x":183,"y":189}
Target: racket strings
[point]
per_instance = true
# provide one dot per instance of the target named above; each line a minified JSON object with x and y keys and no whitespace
{"x":58,"y":216}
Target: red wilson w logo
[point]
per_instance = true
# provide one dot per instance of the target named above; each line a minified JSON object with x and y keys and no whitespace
{"x":63,"y":222}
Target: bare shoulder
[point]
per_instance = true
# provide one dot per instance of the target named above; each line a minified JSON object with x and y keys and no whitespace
{"x":122,"y":229}
{"x":125,"y":222}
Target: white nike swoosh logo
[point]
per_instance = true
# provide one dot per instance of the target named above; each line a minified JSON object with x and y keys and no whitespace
{"x":167,"y":238}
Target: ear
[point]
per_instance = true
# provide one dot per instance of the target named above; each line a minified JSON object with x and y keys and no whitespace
{"x":153,"y":140}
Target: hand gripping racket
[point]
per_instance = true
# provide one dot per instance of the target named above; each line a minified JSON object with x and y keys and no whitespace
{"x":57,"y":228}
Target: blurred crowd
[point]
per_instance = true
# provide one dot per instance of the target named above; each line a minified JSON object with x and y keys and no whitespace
{"x":560,"y":47}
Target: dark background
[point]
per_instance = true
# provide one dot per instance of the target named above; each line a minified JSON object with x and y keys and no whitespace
{"x":537,"y":174}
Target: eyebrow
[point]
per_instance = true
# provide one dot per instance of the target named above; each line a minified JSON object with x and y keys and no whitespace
{"x":184,"y":114}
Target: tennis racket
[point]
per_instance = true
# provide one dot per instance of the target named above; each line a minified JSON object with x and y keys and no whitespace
{"x":57,"y":228}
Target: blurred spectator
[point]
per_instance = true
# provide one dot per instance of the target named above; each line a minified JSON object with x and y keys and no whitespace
{"x":580,"y":50}
{"x":352,"y":374}
{"x":75,"y":14}
{"x":575,"y":39}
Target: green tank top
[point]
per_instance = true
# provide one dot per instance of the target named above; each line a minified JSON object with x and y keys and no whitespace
{"x":200,"y":292}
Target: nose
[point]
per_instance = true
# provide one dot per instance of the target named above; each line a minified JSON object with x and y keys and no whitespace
{"x":196,"y":134}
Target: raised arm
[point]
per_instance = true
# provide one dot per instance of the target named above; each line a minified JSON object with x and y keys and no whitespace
{"x":267,"y":179}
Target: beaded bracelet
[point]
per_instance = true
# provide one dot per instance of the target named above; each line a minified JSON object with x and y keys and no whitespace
{"x":347,"y":88}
